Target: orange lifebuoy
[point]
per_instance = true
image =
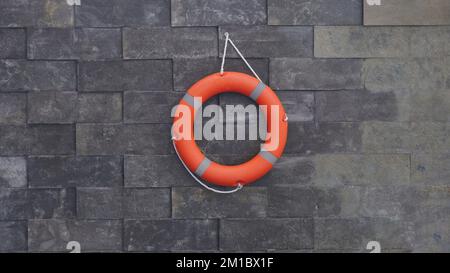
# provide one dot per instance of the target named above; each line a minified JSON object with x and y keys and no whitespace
{"x":259,"y":165}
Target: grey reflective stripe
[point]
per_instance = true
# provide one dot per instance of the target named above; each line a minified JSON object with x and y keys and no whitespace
{"x":268,"y":156}
{"x":258,"y":91}
{"x":201,"y":169}
{"x":189,"y":99}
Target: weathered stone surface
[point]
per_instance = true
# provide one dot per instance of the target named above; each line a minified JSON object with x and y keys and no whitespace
{"x":170,"y":235}
{"x":356,"y":105}
{"x":216,"y":12}
{"x":318,"y":12}
{"x":407,"y":12}
{"x":315,"y":74}
{"x":36,"y":140}
{"x":37,"y":203}
{"x":52,"y":107}
{"x":51,"y":139}
{"x":326,"y":137}
{"x":74,"y":171}
{"x":79,"y":43}
{"x":344,"y":201}
{"x":113,"y":203}
{"x":189,"y":202}
{"x":51,"y":203}
{"x":13,"y":203}
{"x":355,"y":233}
{"x":341,"y":169}
{"x":290,"y":170}
{"x":299,"y":106}
{"x":99,"y":107}
{"x":13,"y":236}
{"x":139,"y":139}
{"x":12,"y":43}
{"x":21,"y":75}
{"x":117,"y":13}
{"x":188,"y":71}
{"x":269,"y":41}
{"x":149,"y":107}
{"x":13,"y":172}
{"x":53,"y":235}
{"x":386,"y":137}
{"x":165,"y":42}
{"x":381,"y":75}
{"x":381,"y":42}
{"x":430,"y":169}
{"x":125,"y":75}
{"x":13,"y":108}
{"x":155,"y":171}
{"x":27,"y":13}
{"x":291,"y":202}
{"x":405,"y":137}
{"x":266,"y":234}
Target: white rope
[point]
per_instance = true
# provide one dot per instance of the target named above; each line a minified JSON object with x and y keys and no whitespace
{"x":227,"y":39}
{"x":238,"y":187}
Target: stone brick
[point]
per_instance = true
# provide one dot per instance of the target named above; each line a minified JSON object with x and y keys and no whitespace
{"x":13,"y":236}
{"x":74,"y":171}
{"x":291,"y":202}
{"x":430,"y":169}
{"x":52,"y":107}
{"x":326,"y":137}
{"x":170,"y":235}
{"x":356,"y":105}
{"x":318,"y":12}
{"x":13,"y":108}
{"x":343,"y":201}
{"x":125,"y":75}
{"x":149,"y":107}
{"x":340,"y":169}
{"x":315,"y":74}
{"x":51,"y":203}
{"x":266,"y":234}
{"x":13,"y":140}
{"x":189,"y":202}
{"x":407,"y":74}
{"x":386,"y":137}
{"x":37,"y":203}
{"x":290,"y":170}
{"x":111,"y":203}
{"x":187,"y":71}
{"x":381,"y":42}
{"x":404,"y":137}
{"x":51,"y":139}
{"x":36,"y":140}
{"x":355,"y":233}
{"x":155,"y":171}
{"x":14,"y":205}
{"x":99,"y":107}
{"x":53,"y":235}
{"x":165,"y":42}
{"x":13,"y":172}
{"x":269,"y":41}
{"x":406,"y":12}
{"x":80,"y":43}
{"x":47,"y":13}
{"x":216,"y":12}
{"x":138,"y":139}
{"x":299,"y":106}
{"x":12,"y":43}
{"x":22,"y":75}
{"x":117,"y":13}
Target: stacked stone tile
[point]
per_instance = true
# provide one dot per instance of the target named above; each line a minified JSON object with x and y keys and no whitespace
{"x":85,"y":151}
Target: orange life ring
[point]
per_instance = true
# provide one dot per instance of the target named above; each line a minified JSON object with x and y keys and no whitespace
{"x":259,"y":165}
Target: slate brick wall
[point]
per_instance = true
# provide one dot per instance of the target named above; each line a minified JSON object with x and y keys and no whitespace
{"x":85,"y":152}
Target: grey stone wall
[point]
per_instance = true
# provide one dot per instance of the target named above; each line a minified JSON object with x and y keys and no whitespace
{"x":85,"y":152}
